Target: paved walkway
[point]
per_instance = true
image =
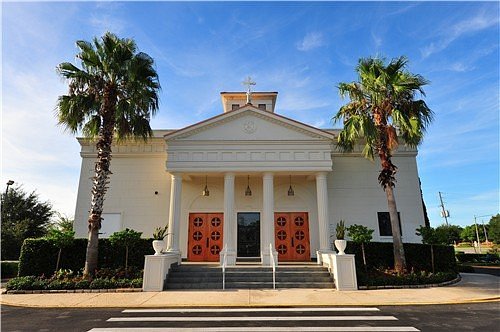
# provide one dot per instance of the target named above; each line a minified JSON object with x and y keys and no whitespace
{"x":472,"y":288}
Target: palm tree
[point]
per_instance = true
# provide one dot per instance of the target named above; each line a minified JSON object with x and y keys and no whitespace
{"x":114,"y":94}
{"x":384,"y":107}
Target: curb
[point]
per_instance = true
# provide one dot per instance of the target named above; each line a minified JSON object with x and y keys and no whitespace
{"x":66,"y":291}
{"x":442,"y":284}
{"x":132,"y":290}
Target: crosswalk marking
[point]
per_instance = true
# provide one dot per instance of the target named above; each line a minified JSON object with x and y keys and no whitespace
{"x":307,"y":319}
{"x":262,"y":329}
{"x":209,"y":310}
{"x":236,"y":319}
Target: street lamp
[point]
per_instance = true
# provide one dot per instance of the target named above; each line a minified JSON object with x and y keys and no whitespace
{"x":9,"y":183}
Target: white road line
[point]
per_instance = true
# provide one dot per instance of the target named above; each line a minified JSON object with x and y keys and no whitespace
{"x":237,"y":319}
{"x":198,"y":310}
{"x":260,"y":329}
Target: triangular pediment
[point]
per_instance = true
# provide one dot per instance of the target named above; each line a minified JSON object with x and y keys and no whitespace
{"x":249,"y":124}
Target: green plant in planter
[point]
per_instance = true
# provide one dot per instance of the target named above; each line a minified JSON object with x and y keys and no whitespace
{"x":160,"y":233}
{"x":340,"y":230}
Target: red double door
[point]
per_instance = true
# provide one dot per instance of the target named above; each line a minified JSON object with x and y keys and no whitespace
{"x":291,"y":231}
{"x":205,"y":237}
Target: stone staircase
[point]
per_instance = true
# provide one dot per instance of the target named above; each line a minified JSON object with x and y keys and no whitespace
{"x":186,"y":277}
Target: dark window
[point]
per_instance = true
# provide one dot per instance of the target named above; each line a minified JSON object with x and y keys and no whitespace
{"x":384,"y":224}
{"x":235,"y":106}
{"x":262,"y":107}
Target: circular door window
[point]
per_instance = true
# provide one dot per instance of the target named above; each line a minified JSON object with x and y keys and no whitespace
{"x":215,"y":236}
{"x":300,"y":235}
{"x":299,"y":221}
{"x":196,"y":249}
{"x":300,"y":249}
{"x":198,"y":221}
{"x":282,"y":249}
{"x":281,"y":221}
{"x":216,"y":222}
{"x":215,"y":249}
{"x":197,"y":236}
{"x":281,"y":235}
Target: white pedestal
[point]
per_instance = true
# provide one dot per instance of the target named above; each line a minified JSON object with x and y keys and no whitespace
{"x":155,"y":271}
{"x":344,"y":272}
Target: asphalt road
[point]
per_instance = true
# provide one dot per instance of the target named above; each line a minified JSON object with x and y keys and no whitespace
{"x":461,"y":317}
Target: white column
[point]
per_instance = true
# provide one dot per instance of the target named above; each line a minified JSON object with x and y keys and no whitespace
{"x":229,"y":237}
{"x":267,"y":218}
{"x":175,"y":214}
{"x":323,"y":216}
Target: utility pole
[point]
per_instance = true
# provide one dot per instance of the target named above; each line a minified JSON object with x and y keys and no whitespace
{"x":477,"y":235}
{"x":444,"y":213}
{"x":484,"y":229}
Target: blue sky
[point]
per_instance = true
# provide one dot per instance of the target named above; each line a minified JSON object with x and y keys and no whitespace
{"x":302,"y":50}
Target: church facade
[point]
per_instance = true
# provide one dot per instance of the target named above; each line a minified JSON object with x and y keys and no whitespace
{"x":245,"y":181}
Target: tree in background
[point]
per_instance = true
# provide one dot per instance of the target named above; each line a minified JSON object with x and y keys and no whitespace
{"x":114,"y":94}
{"x":62,"y":222}
{"x":360,"y":234}
{"x":448,"y":234}
{"x":384,"y":107}
{"x":468,"y":233}
{"x":126,"y":238}
{"x":23,"y":216}
{"x":494,"y":229}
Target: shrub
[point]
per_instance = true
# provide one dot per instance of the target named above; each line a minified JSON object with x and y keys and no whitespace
{"x":9,"y":269}
{"x":82,"y":284}
{"x":100,"y":283}
{"x":126,"y":238}
{"x":39,"y":256}
{"x":379,"y":255}
{"x":21,"y":283}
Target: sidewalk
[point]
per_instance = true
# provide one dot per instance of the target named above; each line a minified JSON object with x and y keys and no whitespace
{"x":472,"y":288}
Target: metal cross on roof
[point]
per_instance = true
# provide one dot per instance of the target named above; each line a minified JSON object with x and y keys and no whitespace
{"x":248,"y":82}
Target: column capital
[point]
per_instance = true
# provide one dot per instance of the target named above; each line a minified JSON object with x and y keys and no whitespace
{"x":229,"y":175}
{"x":176,"y":175}
{"x":268,"y":176}
{"x":321,"y":175}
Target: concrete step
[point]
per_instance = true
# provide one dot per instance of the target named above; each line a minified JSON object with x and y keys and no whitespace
{"x":248,"y":277}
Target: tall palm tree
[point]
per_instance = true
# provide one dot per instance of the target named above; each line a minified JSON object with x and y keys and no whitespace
{"x":113,"y":94}
{"x":384,"y":107}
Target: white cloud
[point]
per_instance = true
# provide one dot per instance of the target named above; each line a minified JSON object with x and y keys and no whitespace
{"x":477,"y":23}
{"x":311,"y":41}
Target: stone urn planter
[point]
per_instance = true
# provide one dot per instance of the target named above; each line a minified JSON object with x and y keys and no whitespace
{"x":341,"y":245}
{"x":159,"y":246}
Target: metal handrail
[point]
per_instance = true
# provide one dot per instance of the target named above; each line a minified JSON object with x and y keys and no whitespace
{"x":224,"y":263}
{"x":273,"y":264}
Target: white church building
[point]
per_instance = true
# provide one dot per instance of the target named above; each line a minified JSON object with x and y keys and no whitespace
{"x":246,"y":179}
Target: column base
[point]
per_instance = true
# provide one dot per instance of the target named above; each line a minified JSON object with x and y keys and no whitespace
{"x":266,"y":258}
{"x":322,"y":256}
{"x":230,"y":257}
{"x":172,"y":252}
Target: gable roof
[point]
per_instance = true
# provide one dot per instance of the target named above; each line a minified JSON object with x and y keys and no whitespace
{"x":246,"y":109}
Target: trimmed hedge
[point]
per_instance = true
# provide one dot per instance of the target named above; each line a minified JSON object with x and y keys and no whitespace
{"x":474,"y":258}
{"x":39,"y":256}
{"x":380,"y":255}
{"x":9,"y":269}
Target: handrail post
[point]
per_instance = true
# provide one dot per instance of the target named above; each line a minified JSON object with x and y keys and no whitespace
{"x":224,"y":263}
{"x":273,"y":264}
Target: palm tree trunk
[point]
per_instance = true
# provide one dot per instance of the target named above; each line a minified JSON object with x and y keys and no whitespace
{"x":399,"y":252}
{"x":101,"y":177}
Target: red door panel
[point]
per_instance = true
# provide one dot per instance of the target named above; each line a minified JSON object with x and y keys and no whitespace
{"x":292,"y":236}
{"x":205,"y":237}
